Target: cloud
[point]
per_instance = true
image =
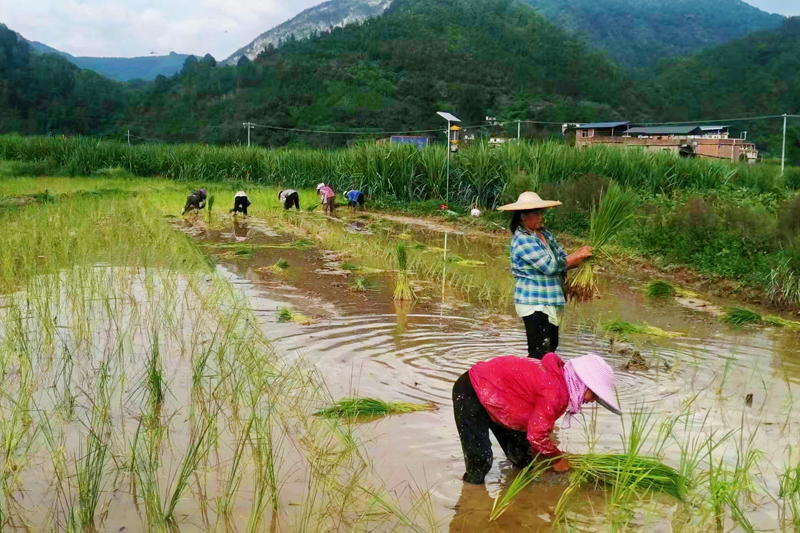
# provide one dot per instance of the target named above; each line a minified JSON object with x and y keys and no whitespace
{"x":126,"y":28}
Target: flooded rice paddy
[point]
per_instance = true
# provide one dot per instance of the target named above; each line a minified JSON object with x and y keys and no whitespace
{"x":723,"y":379}
{"x":144,"y":391}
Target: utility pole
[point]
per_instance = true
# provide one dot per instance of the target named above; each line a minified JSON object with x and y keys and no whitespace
{"x":249,"y":126}
{"x":129,"y":137}
{"x":447,"y":194}
{"x":518,"y":123}
{"x":783,"y":153}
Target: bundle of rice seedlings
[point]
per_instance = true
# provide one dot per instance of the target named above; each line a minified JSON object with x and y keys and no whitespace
{"x":642,"y":328}
{"x":210,"y":205}
{"x":303,"y":244}
{"x":781,"y":322}
{"x":282,"y":264}
{"x":739,"y":316}
{"x":636,"y":472}
{"x":470,"y":263}
{"x":616,"y":208}
{"x":355,"y":407}
{"x":361,"y":284}
{"x":660,"y":289}
{"x":403,"y":290}
{"x":287,"y":315}
{"x":526,"y":476}
{"x":350,"y":267}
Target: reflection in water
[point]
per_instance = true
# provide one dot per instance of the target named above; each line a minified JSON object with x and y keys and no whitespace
{"x":414,"y":353}
{"x":240,"y":230}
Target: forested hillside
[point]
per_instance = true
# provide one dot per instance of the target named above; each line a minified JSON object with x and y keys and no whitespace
{"x":45,"y":93}
{"x":756,"y":75}
{"x":471,"y":57}
{"x":640,"y":33}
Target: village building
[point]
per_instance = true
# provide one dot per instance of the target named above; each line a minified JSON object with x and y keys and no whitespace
{"x":713,"y":142}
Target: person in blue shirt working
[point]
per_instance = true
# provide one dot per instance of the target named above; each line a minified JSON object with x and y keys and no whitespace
{"x":539,"y":266}
{"x":355,"y":199}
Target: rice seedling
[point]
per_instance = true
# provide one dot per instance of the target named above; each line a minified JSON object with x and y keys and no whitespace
{"x":351,"y":267}
{"x":526,"y":476}
{"x":303,"y":244}
{"x":355,"y":407}
{"x":210,"y":206}
{"x":470,"y":263}
{"x":361,"y":284}
{"x":774,"y":320}
{"x":282,"y":264}
{"x":616,"y":208}
{"x":642,"y":328}
{"x":285,"y":314}
{"x":660,"y":289}
{"x":403,"y":290}
{"x":739,"y":316}
{"x":640,"y":473}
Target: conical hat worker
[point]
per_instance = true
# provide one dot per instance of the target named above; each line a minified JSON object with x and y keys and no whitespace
{"x":539,"y":266}
{"x":519,"y":399}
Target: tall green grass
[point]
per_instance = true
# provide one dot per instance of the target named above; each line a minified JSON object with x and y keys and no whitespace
{"x":479,"y":172}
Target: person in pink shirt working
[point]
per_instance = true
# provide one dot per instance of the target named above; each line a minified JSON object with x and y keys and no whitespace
{"x":519,"y":400}
{"x":326,"y":196}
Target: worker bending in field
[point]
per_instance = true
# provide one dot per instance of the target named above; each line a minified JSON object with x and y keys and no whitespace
{"x":240,"y":203}
{"x":519,"y":400}
{"x":355,"y":199}
{"x":289,"y":198}
{"x":327,"y":197}
{"x":195,"y":200}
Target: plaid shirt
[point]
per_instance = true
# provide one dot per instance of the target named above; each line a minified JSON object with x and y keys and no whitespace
{"x":539,"y":273}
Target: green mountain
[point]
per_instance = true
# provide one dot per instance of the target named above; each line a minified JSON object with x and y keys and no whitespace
{"x":331,"y":14}
{"x":45,"y":93}
{"x":640,"y":33}
{"x":753,"y":76}
{"x":470,"y":57}
{"x":121,"y":68}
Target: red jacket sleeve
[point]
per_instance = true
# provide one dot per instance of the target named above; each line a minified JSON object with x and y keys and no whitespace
{"x":540,"y":425}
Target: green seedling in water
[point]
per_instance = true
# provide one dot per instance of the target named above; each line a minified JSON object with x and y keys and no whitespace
{"x":660,"y":289}
{"x":281,"y":264}
{"x":361,"y":284}
{"x":303,"y":244}
{"x":403,"y":290}
{"x":643,"y":328}
{"x":526,"y":476}
{"x":210,"y":205}
{"x":739,"y":316}
{"x":370,"y":407}
{"x":350,"y":267}
{"x":287,"y":315}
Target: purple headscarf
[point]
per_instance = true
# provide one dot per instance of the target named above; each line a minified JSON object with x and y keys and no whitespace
{"x":577,"y":390}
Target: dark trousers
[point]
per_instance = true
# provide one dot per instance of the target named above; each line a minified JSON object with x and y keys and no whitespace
{"x":474,"y":423}
{"x":293,"y":200}
{"x":542,"y":335}
{"x":359,"y":202}
{"x":193,"y":202}
{"x":240,"y":204}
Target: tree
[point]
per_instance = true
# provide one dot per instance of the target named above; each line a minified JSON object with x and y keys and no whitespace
{"x":208,"y":61}
{"x":189,"y":65}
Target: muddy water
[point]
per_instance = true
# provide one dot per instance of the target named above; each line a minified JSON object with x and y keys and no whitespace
{"x":362,"y":343}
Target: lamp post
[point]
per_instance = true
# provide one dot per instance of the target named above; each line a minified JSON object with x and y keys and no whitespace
{"x":450,"y":119}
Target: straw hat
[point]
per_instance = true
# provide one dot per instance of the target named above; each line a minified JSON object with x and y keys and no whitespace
{"x":598,"y":376}
{"x":527,"y":201}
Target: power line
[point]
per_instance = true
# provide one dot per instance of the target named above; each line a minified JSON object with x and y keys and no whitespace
{"x":330,"y":132}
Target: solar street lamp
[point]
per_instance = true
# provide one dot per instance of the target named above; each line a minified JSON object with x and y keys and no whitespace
{"x":450,"y":120}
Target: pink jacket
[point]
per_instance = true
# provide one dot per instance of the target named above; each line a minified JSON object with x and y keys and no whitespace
{"x":524,"y":394}
{"x":326,"y":193}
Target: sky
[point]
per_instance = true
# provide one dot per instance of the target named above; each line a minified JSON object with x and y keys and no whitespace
{"x":128,"y":28}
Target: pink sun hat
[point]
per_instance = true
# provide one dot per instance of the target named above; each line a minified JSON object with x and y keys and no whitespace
{"x":598,"y":376}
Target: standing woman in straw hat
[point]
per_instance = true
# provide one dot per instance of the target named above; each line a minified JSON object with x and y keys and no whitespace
{"x":539,"y":266}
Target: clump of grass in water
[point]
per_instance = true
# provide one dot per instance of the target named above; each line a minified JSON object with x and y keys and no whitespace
{"x":356,"y":407}
{"x":287,"y":315}
{"x":361,"y":284}
{"x":660,"y":289}
{"x":303,"y":244}
{"x":616,"y":208}
{"x":350,"y":267}
{"x":739,"y":316}
{"x":210,"y":205}
{"x":403,"y":290}
{"x":643,"y":328}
